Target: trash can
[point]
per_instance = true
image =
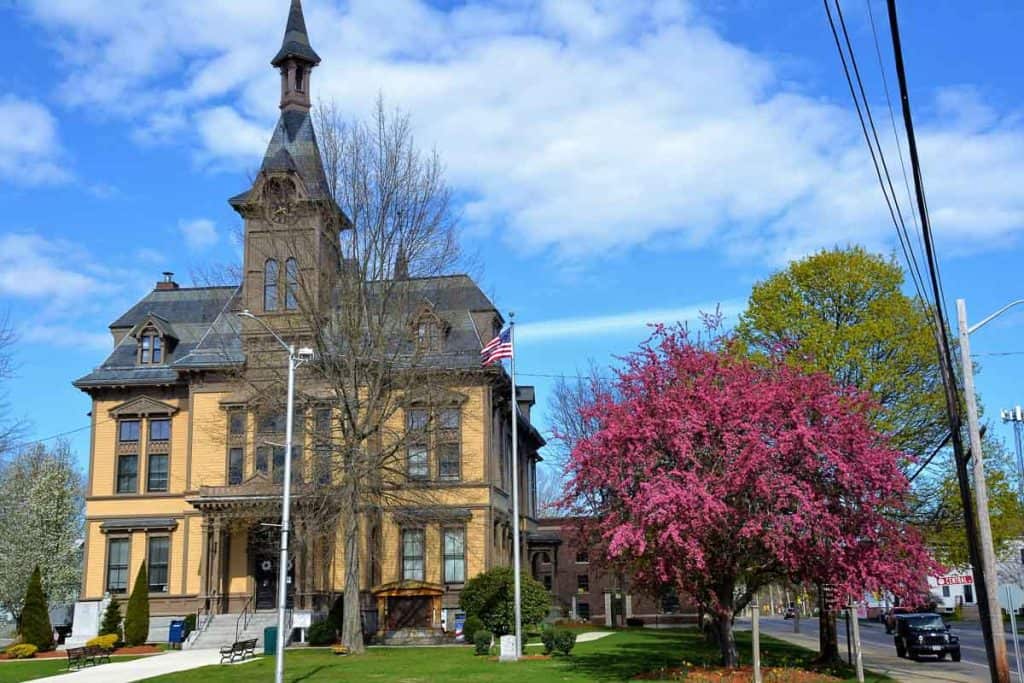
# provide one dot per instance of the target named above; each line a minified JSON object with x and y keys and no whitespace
{"x":176,"y":632}
{"x":270,"y":640}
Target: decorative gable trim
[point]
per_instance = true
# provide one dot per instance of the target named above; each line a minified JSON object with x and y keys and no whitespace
{"x":142,"y":406}
{"x":162,"y":326}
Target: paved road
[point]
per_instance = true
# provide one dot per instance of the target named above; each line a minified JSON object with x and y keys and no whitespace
{"x":880,"y":653}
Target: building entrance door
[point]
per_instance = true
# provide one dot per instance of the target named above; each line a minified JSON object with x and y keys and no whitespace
{"x":409,"y":612}
{"x":265,"y":554}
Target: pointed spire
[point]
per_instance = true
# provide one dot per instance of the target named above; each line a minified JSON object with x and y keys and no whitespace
{"x":401,"y":262}
{"x":296,"y":41}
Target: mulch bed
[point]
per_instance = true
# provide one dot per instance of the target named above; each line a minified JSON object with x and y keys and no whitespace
{"x":742,"y":675}
{"x":60,"y":654}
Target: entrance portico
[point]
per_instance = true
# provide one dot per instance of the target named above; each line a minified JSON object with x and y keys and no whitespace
{"x":241,"y":549}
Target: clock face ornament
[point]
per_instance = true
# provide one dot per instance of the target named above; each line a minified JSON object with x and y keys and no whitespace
{"x":278,"y":194}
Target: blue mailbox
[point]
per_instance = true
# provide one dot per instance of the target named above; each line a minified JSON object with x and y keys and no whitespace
{"x":176,"y":632}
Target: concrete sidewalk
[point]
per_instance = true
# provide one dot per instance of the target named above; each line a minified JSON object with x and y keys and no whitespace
{"x":886,"y":662}
{"x":139,"y":669}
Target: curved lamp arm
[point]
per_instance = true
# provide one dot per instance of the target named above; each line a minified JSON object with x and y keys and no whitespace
{"x":977,"y":326}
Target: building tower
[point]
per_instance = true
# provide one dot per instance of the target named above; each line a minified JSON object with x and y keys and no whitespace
{"x":292,"y":250}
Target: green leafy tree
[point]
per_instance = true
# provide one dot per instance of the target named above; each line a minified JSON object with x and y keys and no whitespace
{"x":35,"y":615}
{"x":111,"y":623}
{"x":946,"y":535}
{"x":844,"y":312}
{"x":136,"y":619}
{"x":490,"y":597}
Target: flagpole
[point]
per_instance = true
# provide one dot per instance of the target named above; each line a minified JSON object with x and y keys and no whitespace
{"x":515,"y":489}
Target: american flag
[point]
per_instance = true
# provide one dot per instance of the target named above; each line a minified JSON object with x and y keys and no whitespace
{"x":498,"y":348}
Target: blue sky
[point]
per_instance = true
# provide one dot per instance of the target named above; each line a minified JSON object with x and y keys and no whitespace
{"x":616,"y":163}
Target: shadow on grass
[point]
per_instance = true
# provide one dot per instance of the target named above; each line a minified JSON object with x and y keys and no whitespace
{"x":640,"y":651}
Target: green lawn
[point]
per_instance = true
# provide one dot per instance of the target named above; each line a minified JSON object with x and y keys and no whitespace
{"x":616,"y":657}
{"x":31,"y":669}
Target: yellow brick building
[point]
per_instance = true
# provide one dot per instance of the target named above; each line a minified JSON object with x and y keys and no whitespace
{"x":185,"y":469}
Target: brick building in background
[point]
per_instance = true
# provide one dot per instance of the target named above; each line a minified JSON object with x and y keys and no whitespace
{"x":582,"y":590}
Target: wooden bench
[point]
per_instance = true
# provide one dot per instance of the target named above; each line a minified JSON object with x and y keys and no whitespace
{"x":240,"y":649}
{"x":88,"y":655}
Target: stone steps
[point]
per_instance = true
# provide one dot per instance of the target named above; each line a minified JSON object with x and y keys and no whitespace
{"x":221,"y":630}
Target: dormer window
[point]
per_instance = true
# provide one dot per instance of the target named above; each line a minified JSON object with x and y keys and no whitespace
{"x":429,"y":332}
{"x":151,"y":348}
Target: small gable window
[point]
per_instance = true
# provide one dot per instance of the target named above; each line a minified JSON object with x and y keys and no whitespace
{"x":429,"y":332}
{"x":270,"y":285}
{"x":151,"y":347}
{"x":291,"y":292}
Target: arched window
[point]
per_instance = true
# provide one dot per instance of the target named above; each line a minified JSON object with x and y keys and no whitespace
{"x":291,"y":291}
{"x":270,"y":285}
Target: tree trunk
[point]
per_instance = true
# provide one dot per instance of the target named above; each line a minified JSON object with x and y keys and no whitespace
{"x":828,"y":634}
{"x":352,"y":620}
{"x":721,"y":627}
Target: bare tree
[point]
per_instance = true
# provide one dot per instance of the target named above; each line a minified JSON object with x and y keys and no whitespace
{"x":10,"y":428}
{"x":569,"y":397}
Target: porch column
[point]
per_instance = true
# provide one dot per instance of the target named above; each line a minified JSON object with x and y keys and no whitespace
{"x":629,"y":605}
{"x":607,"y":608}
{"x":216,"y":563}
{"x":204,"y":558}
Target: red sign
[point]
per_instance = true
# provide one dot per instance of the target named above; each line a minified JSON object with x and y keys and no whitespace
{"x":966,"y":579}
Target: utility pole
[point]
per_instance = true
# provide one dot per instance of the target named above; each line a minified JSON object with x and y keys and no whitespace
{"x":988,"y":553}
{"x":857,"y":654}
{"x":998,"y":666}
{"x":756,"y":638}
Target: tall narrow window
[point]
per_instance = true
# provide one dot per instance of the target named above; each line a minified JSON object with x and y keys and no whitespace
{"x":157,"y":349}
{"x":449,"y":466}
{"x":270,"y":285}
{"x":127,"y":456}
{"x":235,"y":463}
{"x":156,"y":473}
{"x":417,"y":463}
{"x":278,"y":464}
{"x":156,"y":557}
{"x":147,"y":346}
{"x":117,"y":565}
{"x":454,"y":555}
{"x":583,"y":583}
{"x":158,"y":454}
{"x":263,"y":459}
{"x":412,"y":555}
{"x":291,"y":290}
{"x":322,"y":448}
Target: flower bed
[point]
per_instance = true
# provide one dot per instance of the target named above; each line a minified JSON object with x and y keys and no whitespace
{"x":136,"y":650}
{"x":741,"y":675}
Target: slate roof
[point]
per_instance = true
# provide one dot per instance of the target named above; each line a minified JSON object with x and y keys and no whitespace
{"x":293,"y":148}
{"x":203,"y":321}
{"x":296,"y":40}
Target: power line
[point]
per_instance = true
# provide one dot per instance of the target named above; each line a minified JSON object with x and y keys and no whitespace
{"x":876,"y":158}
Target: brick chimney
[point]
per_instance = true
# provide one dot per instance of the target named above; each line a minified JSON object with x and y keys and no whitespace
{"x":168,"y":282}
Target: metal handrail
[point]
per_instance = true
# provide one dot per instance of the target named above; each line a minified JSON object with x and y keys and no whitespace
{"x":244,"y":618}
{"x":203,"y":624}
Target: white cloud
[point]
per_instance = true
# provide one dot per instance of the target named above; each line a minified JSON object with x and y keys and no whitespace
{"x":29,"y":148}
{"x":578,"y":126}
{"x":199,"y":233}
{"x":632,"y":321}
{"x":65,"y":336}
{"x":33,"y":267}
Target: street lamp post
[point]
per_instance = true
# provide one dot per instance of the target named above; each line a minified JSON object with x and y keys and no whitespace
{"x":988,"y":554}
{"x":294,"y":361}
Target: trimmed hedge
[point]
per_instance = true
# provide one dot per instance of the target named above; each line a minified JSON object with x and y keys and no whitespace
{"x":471,"y":626}
{"x":22,"y":651}
{"x":321,"y":633}
{"x":482,"y":642}
{"x":565,"y":640}
{"x":136,"y":618}
{"x":107,"y":641}
{"x":489,"y":596}
{"x":35,"y":616}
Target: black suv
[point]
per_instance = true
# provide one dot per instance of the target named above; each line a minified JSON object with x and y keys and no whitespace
{"x":925,"y":633}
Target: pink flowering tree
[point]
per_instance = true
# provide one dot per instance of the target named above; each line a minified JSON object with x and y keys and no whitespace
{"x":717,"y":475}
